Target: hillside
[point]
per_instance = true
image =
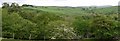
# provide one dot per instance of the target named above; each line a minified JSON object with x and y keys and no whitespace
{"x":42,"y":22}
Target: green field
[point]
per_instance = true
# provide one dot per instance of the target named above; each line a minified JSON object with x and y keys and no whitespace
{"x":52,"y":22}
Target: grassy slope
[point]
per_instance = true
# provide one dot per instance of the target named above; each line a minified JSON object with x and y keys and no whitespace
{"x":62,"y":10}
{"x":107,"y":10}
{"x":76,"y":11}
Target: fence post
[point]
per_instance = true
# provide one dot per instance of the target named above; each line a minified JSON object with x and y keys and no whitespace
{"x":13,"y":35}
{"x":30,"y":37}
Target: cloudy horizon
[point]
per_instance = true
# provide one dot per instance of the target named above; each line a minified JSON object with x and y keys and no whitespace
{"x":64,"y":2}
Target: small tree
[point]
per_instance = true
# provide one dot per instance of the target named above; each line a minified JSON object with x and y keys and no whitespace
{"x":14,"y":7}
{"x":104,"y":27}
{"x":5,"y":5}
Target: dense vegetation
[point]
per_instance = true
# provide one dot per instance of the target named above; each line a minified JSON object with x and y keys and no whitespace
{"x":39,"y":22}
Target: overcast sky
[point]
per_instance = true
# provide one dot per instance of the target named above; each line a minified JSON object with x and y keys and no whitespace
{"x":64,"y":2}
